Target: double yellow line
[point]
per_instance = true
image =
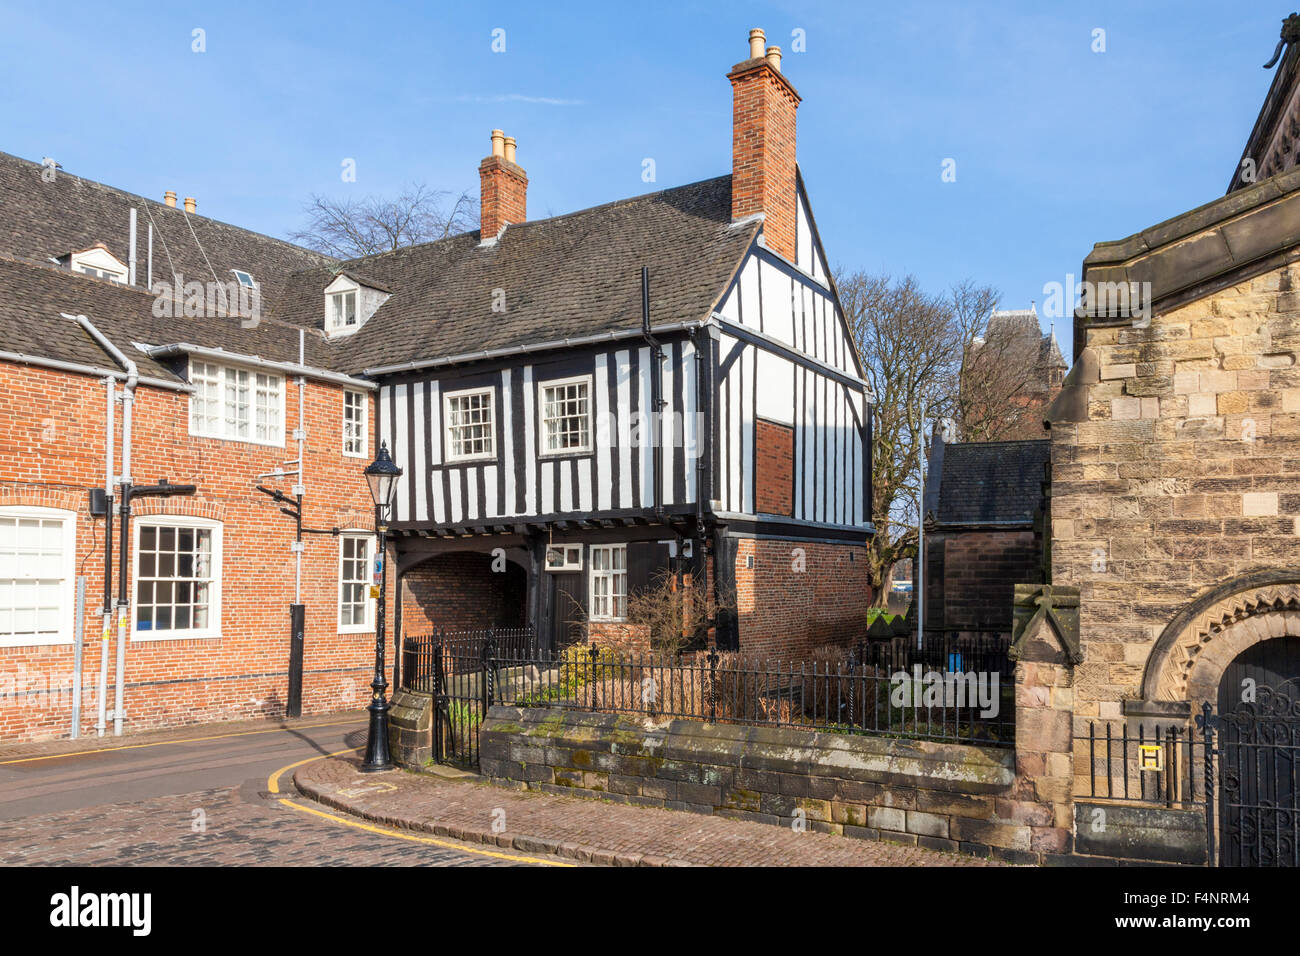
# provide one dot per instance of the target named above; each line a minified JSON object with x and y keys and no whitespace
{"x":273,"y":786}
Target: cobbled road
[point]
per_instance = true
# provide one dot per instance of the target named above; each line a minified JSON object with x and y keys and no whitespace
{"x":196,"y":802}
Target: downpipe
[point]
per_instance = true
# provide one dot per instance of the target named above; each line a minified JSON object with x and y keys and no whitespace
{"x":106,"y":612}
{"x":124,"y":532}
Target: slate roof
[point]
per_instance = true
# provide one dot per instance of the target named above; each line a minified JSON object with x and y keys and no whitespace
{"x":42,"y":220}
{"x":569,"y":276}
{"x":988,"y":483}
{"x":35,"y":295}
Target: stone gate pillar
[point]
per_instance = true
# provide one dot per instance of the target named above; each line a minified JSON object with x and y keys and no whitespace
{"x":1045,"y":646}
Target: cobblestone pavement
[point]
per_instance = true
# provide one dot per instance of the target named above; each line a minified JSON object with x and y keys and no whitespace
{"x":196,"y":796}
{"x":589,"y":830}
{"x":238,"y":829}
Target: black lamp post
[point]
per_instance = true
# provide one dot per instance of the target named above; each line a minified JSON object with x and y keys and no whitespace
{"x":381,"y":476}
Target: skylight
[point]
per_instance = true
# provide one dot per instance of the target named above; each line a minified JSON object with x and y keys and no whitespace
{"x":245,"y":279}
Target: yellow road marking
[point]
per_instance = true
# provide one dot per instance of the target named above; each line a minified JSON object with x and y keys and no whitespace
{"x":182,"y":740}
{"x":273,"y":785}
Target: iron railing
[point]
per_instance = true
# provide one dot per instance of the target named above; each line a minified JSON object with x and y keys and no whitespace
{"x":1159,"y":765}
{"x":948,"y":689}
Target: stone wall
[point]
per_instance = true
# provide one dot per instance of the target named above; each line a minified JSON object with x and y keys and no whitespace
{"x":1185,"y":474}
{"x":938,"y":795}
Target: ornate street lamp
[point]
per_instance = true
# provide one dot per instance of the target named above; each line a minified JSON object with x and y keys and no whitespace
{"x":381,"y":476}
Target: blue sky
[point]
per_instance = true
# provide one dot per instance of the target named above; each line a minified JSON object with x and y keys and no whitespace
{"x":1056,"y":147}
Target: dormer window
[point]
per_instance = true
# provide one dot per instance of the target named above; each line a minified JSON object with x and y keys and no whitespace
{"x":343,"y":310}
{"x":97,"y":261}
{"x":349,"y":302}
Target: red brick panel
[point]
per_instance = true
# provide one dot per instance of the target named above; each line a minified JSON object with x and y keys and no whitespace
{"x":773,"y":468}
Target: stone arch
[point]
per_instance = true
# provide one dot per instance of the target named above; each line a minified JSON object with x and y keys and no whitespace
{"x":1192,"y":652}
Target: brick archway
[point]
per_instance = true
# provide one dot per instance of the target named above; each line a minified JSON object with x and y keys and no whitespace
{"x":1190,"y":656}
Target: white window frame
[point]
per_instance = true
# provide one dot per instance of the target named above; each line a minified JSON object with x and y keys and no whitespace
{"x":368,"y":625}
{"x":342,"y":286}
{"x":99,"y":263}
{"x":448,"y":439}
{"x":570,"y":558}
{"x":543,"y":435}
{"x":225,"y":430}
{"x":213,"y":630}
{"x":67,"y":597}
{"x":610,"y":575}
{"x":362,"y":436}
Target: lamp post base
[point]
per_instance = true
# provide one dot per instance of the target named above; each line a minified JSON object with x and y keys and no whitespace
{"x":377,"y":757}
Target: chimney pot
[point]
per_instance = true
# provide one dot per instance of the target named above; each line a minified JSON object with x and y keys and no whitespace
{"x":169,"y":197}
{"x":774,"y":58}
{"x":190,"y":204}
{"x":756,"y":41}
{"x":503,"y":191}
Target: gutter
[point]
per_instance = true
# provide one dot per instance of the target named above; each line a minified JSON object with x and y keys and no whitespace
{"x":221,"y":355}
{"x":537,"y":347}
{"x":59,"y":365}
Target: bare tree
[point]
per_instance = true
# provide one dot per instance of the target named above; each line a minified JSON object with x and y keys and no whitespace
{"x":910,"y":345}
{"x":928,"y":358}
{"x":351,"y":228}
{"x":1003,"y":371}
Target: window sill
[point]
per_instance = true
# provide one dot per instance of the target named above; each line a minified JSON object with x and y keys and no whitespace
{"x":567,"y":453}
{"x":47,"y":640}
{"x":356,"y":629}
{"x":241,"y":441}
{"x":149,"y":636}
{"x":478,"y":460}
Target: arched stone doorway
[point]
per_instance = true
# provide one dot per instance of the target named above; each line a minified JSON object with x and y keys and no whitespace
{"x":1234,"y":652}
{"x":1258,"y":759}
{"x":1192,"y":654}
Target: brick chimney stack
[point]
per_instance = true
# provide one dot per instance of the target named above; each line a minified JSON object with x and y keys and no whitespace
{"x":503,"y":187}
{"x":762,"y":144}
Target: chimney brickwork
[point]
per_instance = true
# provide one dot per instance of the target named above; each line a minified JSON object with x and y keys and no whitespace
{"x":763,"y":145}
{"x":503,"y":187}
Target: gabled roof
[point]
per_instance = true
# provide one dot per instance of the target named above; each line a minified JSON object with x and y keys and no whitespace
{"x":40,"y":220}
{"x":1273,"y":145}
{"x":987,"y":484}
{"x":576,"y":275}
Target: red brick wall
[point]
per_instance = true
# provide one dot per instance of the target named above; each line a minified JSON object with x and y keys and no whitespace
{"x":969,"y":585}
{"x":52,"y":453}
{"x":763,"y":153}
{"x":773,"y":468}
{"x":503,"y":191}
{"x":461,"y":591}
{"x":800,"y":596}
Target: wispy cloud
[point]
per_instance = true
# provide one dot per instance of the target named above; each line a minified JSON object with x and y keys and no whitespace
{"x":519,"y":98}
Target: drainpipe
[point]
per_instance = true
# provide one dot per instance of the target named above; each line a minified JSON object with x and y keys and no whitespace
{"x":123,"y":598}
{"x":656,"y":392}
{"x":106,"y":614}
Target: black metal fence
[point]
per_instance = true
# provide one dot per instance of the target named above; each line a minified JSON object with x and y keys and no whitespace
{"x":947,"y":689}
{"x":1157,"y":765}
